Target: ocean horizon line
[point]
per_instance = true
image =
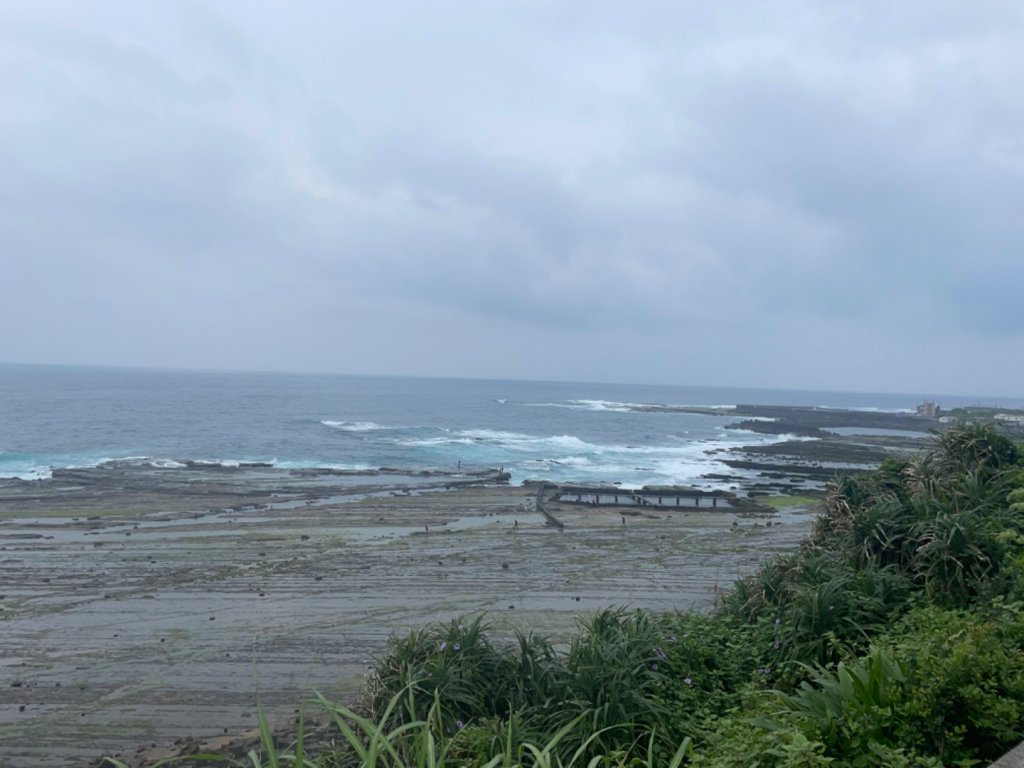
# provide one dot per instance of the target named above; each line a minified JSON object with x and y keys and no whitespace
{"x":922,"y":395}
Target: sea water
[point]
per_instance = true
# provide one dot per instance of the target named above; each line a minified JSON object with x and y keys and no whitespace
{"x":54,"y":417}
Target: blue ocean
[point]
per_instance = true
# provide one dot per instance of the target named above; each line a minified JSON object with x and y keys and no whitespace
{"x":53,"y":416}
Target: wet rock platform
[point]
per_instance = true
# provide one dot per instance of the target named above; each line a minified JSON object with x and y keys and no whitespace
{"x":143,"y":606}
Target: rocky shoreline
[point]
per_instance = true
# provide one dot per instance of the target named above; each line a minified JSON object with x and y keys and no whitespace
{"x":140,"y":605}
{"x":137,"y":600}
{"x":824,"y":441}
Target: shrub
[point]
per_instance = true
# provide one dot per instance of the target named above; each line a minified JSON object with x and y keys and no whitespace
{"x":455,"y":664}
{"x":964,"y":689}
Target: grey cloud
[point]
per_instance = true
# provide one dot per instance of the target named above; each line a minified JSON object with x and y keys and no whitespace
{"x":726,"y":177}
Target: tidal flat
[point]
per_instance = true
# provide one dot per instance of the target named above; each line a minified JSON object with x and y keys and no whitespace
{"x":143,"y":608}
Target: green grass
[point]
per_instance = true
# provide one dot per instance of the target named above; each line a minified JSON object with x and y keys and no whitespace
{"x":781,"y":502}
{"x":426,"y":743}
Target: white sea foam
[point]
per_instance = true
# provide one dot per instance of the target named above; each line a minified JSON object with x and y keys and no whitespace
{"x":575,"y":461}
{"x":492,"y":434}
{"x":132,"y":461}
{"x":353,"y":426}
{"x":34,"y":472}
{"x":217,"y":462}
{"x":625,"y":407}
{"x":321,"y":465}
{"x":520,"y":442}
{"x":430,"y":442}
{"x":33,"y":468}
{"x":569,"y":443}
{"x":712,"y":407}
{"x":606,"y":405}
{"x":591,"y":405}
{"x":166,"y":463}
{"x":29,"y":470}
{"x":87,"y":464}
{"x":40,"y":469}
{"x":497,"y":439}
{"x":566,"y":457}
{"x":675,"y":458}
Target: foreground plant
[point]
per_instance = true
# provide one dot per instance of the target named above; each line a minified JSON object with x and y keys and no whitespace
{"x":424,"y":743}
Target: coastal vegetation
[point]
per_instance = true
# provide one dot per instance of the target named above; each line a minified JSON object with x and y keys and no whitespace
{"x":893,"y":636}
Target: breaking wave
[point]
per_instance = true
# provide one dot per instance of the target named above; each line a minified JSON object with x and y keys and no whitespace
{"x":41,"y":467}
{"x":669,"y":459}
{"x":354,"y":426}
{"x":591,"y":405}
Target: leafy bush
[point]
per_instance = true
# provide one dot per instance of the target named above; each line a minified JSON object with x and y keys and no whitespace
{"x":740,"y":742}
{"x":964,"y":689}
{"x":851,"y":710}
{"x":457,"y":665}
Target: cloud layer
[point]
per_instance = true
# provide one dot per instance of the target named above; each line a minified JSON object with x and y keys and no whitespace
{"x":788,"y":194}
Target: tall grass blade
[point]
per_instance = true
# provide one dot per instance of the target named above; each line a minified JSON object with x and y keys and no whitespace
{"x":378,"y":742}
{"x":300,"y":757}
{"x":267,"y":736}
{"x":685,"y":749}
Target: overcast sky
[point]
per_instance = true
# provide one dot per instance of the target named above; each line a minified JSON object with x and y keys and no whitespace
{"x":793,"y":194}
